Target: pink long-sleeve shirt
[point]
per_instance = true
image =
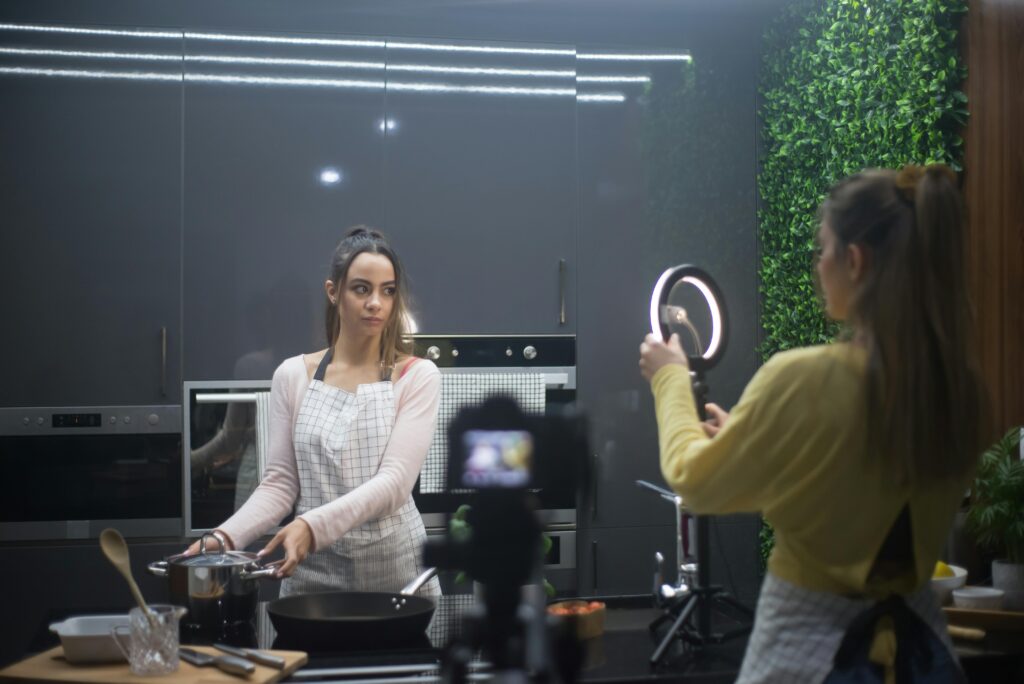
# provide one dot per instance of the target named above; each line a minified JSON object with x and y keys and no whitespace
{"x":417,"y":393}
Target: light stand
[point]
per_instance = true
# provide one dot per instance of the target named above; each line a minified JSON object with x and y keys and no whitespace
{"x":690,"y":602}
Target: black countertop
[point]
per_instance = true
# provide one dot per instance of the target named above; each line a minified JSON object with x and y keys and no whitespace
{"x":621,"y":654}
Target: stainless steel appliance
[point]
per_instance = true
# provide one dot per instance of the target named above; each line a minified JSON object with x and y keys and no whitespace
{"x":540,"y":372}
{"x":70,"y":472}
{"x":223,"y":448}
{"x":225,"y":432}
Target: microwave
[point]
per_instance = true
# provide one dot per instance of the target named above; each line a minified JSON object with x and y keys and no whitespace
{"x":73,"y":471}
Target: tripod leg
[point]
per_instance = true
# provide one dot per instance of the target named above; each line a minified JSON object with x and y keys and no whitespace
{"x":735,"y":605}
{"x":671,"y":634}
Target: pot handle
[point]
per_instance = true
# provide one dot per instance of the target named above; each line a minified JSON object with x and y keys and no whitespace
{"x":414,"y":586}
{"x":216,"y":534}
{"x":158,"y":568}
{"x":268,"y":571}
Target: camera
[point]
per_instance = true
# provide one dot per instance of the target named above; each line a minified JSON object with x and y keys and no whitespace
{"x":505,"y":458}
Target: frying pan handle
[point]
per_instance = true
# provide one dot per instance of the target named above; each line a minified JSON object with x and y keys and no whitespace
{"x":414,"y":586}
{"x":158,"y":568}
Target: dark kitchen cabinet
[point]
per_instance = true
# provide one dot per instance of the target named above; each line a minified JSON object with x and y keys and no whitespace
{"x":283,"y":146}
{"x":480,"y":184}
{"x":90,"y":190}
{"x":618,"y":267}
{"x":46,"y":584}
{"x":621,"y":560}
{"x":653,"y":194}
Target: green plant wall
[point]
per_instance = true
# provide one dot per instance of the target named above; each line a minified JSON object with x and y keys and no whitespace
{"x":846,"y":85}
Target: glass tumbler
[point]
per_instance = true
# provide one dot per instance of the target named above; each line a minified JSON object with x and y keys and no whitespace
{"x":152,"y":646}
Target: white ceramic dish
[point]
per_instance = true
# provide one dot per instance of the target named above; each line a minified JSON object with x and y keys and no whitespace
{"x":944,"y":586}
{"x":978,"y":598}
{"x":86,"y":639}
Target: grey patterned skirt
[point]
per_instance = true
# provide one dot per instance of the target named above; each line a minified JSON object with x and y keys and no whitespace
{"x":797,"y":631}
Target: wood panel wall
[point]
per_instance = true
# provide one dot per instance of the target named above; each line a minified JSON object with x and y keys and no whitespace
{"x":994,"y":194}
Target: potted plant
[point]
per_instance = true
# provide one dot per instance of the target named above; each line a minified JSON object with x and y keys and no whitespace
{"x":996,"y":515}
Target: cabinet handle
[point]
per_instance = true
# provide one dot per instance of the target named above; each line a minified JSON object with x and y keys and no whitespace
{"x":163,"y":361}
{"x":593,"y":489}
{"x":561,"y":291}
{"x":593,"y":561}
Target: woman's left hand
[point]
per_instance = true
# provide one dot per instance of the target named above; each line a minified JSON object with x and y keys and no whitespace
{"x":296,"y":537}
{"x":655,"y":354}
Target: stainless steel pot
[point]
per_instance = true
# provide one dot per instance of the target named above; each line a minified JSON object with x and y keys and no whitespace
{"x":220,"y":590}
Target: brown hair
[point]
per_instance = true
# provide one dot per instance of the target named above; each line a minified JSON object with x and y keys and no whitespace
{"x":926,"y":398}
{"x":360,"y":239}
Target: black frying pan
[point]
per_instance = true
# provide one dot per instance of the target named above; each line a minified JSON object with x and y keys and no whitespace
{"x":339,"y":620}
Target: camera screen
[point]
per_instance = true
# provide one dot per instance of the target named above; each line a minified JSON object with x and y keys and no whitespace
{"x":497,"y":458}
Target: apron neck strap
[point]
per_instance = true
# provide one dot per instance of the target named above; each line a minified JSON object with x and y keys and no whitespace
{"x":321,"y":370}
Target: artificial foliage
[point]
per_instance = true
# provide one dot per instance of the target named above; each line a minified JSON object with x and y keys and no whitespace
{"x":846,"y":85}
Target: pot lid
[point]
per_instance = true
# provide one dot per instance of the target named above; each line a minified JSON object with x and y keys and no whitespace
{"x":215,"y":559}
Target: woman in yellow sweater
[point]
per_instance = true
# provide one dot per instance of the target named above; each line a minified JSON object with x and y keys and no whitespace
{"x":858,"y":453}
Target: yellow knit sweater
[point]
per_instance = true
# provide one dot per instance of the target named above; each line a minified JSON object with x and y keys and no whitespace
{"x":794,"y":450}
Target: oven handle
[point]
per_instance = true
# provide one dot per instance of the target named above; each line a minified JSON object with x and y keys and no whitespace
{"x":556,"y":380}
{"x":226,"y":397}
{"x":560,"y":378}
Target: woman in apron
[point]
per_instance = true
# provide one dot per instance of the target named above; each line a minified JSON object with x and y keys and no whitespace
{"x":350,"y":427}
{"x":857,"y":452}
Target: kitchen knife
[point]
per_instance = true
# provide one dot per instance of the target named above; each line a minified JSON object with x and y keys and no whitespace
{"x":230,"y":664}
{"x":255,"y":656}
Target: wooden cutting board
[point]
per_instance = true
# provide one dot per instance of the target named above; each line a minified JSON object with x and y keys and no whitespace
{"x":50,"y":666}
{"x":991,"y":620}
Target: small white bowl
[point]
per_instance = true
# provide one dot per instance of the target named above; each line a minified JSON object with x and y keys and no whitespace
{"x":86,"y":639}
{"x":978,"y":598}
{"x":944,"y":586}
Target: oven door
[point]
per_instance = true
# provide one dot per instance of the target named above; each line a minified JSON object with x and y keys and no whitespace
{"x":71,"y":472}
{"x":224,"y":448}
{"x":537,"y":389}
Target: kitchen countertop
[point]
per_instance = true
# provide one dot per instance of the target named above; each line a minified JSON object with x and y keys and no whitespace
{"x":621,"y":654}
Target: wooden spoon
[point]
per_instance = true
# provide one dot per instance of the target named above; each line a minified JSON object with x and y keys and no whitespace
{"x":116,"y":551}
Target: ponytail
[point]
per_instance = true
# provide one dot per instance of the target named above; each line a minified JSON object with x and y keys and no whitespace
{"x":926,"y":401}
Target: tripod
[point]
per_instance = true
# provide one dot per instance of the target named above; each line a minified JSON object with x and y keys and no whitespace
{"x":693,"y":596}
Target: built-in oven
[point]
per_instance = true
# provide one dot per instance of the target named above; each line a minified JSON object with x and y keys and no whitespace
{"x":224,"y":448}
{"x":225,"y":432}
{"x":70,"y":472}
{"x":539,"y":372}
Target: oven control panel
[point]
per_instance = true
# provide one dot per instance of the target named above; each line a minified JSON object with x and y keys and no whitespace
{"x":497,"y":351}
{"x":90,"y":420}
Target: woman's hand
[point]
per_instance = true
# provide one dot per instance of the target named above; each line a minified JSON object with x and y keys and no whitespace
{"x":717,"y":418}
{"x":655,"y":354}
{"x":297,"y":538}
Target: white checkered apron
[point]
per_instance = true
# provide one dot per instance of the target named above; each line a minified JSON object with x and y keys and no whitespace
{"x":339,"y":439}
{"x":797,"y":631}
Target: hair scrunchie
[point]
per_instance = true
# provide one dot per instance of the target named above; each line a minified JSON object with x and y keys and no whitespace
{"x":910,"y":175}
